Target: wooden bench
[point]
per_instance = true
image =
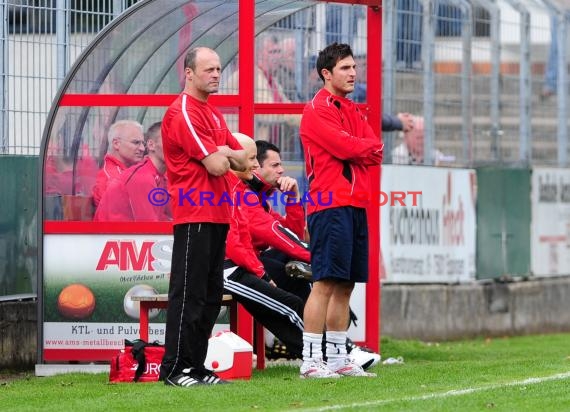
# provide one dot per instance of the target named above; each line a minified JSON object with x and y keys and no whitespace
{"x":241,"y":322}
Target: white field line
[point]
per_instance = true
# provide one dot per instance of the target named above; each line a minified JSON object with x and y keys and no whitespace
{"x":455,"y":392}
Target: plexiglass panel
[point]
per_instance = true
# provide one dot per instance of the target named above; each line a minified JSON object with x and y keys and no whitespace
{"x":142,"y":53}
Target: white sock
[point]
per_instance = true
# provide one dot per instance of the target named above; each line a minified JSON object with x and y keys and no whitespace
{"x":336,"y":349}
{"x":312,"y":347}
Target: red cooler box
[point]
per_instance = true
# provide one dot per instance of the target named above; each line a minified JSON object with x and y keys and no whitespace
{"x":229,"y":356}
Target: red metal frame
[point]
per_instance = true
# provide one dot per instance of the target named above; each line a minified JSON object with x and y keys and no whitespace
{"x":97,"y":228}
{"x":246,"y":44}
{"x":247,"y":109}
{"x":374,"y":100}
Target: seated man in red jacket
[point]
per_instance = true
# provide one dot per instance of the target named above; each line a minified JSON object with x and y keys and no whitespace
{"x":139,"y":193}
{"x":245,"y":277}
{"x":279,"y":238}
{"x":126,"y":148}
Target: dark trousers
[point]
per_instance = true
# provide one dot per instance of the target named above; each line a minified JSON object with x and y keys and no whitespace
{"x":279,"y":311}
{"x":194,"y":295}
{"x":274,"y":263}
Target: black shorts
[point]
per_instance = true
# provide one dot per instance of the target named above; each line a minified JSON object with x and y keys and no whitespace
{"x":339,"y":244}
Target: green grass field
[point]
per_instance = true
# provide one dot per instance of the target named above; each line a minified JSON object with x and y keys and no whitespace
{"x":529,"y":373}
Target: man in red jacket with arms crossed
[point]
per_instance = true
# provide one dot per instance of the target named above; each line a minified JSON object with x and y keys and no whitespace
{"x":198,"y":151}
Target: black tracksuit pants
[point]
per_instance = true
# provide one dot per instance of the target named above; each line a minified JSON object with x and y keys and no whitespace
{"x":194,"y":294}
{"x":279,"y":311}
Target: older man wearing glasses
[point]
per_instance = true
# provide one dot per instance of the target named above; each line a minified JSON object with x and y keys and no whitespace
{"x":126,"y":148}
{"x":139,"y":194}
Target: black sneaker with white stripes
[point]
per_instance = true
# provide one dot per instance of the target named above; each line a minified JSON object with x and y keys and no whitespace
{"x":208,"y":377}
{"x":194,"y":376}
{"x":183,"y":380}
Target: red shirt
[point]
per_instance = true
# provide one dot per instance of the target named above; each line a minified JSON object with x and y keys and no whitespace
{"x":339,"y":146}
{"x":129,"y":197}
{"x":191,"y":130}
{"x":239,"y":247}
{"x":269,"y":229}
{"x":61,"y":179}
{"x":112,"y":168}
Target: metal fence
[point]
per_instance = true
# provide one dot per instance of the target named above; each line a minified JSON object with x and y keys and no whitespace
{"x":39,"y":41}
{"x":475,"y":70}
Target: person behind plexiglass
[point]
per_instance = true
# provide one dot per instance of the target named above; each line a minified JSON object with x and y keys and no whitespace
{"x":411,"y":150}
{"x":268,"y":63}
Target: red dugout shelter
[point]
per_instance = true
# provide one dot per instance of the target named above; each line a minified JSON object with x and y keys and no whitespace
{"x":131,"y":70}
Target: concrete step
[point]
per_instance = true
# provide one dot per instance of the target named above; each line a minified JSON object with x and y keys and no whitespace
{"x":450,"y":121}
{"x":509,"y":105}
{"x":451,"y":84}
{"x":541,"y":151}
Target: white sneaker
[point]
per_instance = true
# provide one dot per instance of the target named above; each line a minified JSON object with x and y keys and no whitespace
{"x":316,"y":370}
{"x":351,"y":368}
{"x":364,"y":359}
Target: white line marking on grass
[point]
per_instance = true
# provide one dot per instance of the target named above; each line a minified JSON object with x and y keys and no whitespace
{"x":454,"y":392}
